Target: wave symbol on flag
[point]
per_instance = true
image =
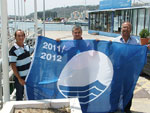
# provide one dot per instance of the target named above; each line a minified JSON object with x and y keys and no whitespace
{"x":86,"y":76}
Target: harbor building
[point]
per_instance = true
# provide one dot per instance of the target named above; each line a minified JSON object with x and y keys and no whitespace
{"x":107,"y":20}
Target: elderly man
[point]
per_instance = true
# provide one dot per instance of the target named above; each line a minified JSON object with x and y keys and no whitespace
{"x":127,"y":39}
{"x":125,"y":35}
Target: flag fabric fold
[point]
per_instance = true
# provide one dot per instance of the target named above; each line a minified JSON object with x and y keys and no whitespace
{"x":102,"y":74}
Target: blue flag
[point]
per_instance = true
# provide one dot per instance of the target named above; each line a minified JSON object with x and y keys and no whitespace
{"x":102,"y":74}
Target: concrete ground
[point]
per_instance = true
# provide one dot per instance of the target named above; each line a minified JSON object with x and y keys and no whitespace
{"x":64,"y":35}
{"x":141,"y":99}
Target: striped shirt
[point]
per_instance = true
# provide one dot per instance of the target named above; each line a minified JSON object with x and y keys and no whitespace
{"x":21,"y":56}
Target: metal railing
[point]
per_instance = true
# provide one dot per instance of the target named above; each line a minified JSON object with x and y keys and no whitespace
{"x":1,"y":83}
{"x":10,"y":43}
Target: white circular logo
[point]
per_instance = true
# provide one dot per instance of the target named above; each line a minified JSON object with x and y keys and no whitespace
{"x":86,"y":76}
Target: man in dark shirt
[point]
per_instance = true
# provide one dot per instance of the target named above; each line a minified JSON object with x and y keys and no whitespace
{"x":19,"y":58}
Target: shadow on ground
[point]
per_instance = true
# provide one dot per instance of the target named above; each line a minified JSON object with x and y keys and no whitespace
{"x":145,"y":76}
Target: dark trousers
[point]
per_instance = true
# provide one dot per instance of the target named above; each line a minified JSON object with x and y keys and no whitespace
{"x":19,"y":89}
{"x":128,"y":106}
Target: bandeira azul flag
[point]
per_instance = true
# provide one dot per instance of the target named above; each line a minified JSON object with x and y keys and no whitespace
{"x":101,"y":74}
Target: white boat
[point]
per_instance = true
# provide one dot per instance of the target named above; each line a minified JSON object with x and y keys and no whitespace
{"x":77,"y":22}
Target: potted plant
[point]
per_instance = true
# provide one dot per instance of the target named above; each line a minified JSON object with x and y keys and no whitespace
{"x":144,"y":36}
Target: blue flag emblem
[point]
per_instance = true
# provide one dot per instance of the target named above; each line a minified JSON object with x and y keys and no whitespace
{"x":101,"y":74}
{"x":83,"y":79}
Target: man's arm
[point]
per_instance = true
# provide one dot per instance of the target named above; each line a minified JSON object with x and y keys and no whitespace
{"x":14,"y":68}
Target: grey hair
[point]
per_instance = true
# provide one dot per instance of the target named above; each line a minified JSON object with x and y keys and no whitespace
{"x":76,"y":27}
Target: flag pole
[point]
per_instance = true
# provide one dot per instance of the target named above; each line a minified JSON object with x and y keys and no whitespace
{"x":22,"y":13}
{"x":44,"y":17}
{"x":21,"y":10}
{"x":18,"y":10}
{"x":4,"y":36}
{"x":35,"y":17}
{"x":25,"y":12}
{"x":15,"y":14}
{"x":25,"y":9}
{"x":85,"y":11}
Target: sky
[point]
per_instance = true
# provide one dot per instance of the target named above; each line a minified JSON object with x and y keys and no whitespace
{"x":49,"y":4}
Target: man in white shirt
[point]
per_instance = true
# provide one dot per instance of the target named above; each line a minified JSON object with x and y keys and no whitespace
{"x":127,"y":39}
{"x":125,"y":35}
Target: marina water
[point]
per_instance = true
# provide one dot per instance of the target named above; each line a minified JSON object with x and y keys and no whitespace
{"x":48,"y":27}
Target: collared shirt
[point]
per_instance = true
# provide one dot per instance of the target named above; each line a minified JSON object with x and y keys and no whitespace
{"x":131,"y":40}
{"x":21,"y":56}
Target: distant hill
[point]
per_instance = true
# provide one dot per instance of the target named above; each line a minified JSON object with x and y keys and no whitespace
{"x":68,"y":10}
{"x":64,"y":11}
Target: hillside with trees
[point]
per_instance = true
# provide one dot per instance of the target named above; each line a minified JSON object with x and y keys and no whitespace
{"x":63,"y":11}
